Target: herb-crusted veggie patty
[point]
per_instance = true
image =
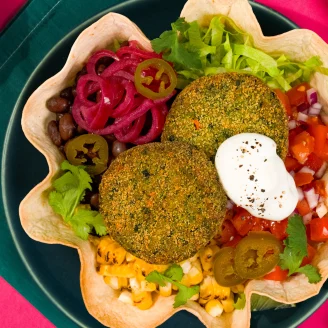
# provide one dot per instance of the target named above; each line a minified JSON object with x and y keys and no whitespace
{"x":214,"y":108}
{"x":162,"y":201}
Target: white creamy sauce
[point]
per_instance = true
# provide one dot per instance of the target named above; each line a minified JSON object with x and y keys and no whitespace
{"x":254,"y":176}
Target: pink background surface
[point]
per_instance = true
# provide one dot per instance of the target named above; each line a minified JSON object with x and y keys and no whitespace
{"x":17,"y":312}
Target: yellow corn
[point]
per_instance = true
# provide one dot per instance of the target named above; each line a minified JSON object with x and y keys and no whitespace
{"x":206,"y":290}
{"x":166,"y":290}
{"x":134,"y":284}
{"x":116,"y":282}
{"x":110,"y":252}
{"x":195,"y":297}
{"x":174,"y":287}
{"x":228,"y":303}
{"x":206,"y":256}
{"x":219,"y":291}
{"x":194,"y":276}
{"x":126,"y":297}
{"x":142,"y":268}
{"x":147,"y":286}
{"x":123,"y":270}
{"x":186,"y":266}
{"x":214,"y":308}
{"x":142,"y":300}
{"x":129,"y":257}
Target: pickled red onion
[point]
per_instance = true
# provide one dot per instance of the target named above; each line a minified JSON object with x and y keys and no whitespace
{"x":109,"y":103}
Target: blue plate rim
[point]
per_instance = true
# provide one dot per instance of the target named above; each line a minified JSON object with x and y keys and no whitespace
{"x":13,"y":117}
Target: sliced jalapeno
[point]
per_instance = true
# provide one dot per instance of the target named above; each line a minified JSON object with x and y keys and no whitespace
{"x":224,"y":271}
{"x":90,"y":150}
{"x":158,"y":85}
{"x":257,"y":254}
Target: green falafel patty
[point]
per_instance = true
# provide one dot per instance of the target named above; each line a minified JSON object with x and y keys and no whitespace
{"x":162,"y":201}
{"x":215,"y":108}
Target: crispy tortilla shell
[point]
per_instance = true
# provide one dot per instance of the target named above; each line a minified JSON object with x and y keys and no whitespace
{"x":41,"y":224}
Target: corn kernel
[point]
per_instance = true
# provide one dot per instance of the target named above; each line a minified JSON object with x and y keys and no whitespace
{"x":166,"y":290}
{"x":129,"y":257}
{"x":126,"y":297}
{"x":214,"y":308}
{"x":123,"y":270}
{"x":228,"y":304}
{"x":142,"y":300}
{"x":147,"y":286}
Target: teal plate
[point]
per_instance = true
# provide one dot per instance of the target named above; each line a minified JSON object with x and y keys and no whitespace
{"x":56,"y":268}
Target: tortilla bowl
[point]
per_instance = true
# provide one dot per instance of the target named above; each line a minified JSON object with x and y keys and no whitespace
{"x":41,"y":224}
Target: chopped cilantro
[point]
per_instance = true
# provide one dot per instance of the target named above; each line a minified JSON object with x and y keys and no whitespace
{"x":65,"y":200}
{"x":296,"y":249}
{"x":174,"y":275}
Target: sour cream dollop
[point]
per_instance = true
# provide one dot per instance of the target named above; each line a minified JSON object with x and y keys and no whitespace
{"x":254,"y":176}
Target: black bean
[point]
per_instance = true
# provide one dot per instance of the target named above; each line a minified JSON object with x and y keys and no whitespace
{"x":80,"y":130}
{"x":94,"y":201}
{"x":118,"y":148}
{"x":54,"y":133}
{"x":57,"y":104}
{"x":67,"y":127}
{"x":67,"y":93}
{"x":83,"y":71}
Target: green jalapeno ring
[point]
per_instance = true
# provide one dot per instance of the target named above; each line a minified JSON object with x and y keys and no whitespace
{"x":165,"y":74}
{"x":257,"y":254}
{"x":98,"y":156}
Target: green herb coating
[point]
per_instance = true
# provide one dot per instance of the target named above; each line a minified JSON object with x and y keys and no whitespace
{"x":214,"y":108}
{"x":162,"y":201}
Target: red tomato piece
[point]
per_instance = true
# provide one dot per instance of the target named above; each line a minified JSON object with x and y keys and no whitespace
{"x":233,"y":242}
{"x":278,"y":229}
{"x":311,"y":253}
{"x":314,"y":162}
{"x":320,"y":188}
{"x":320,"y":132}
{"x":297,"y":95}
{"x":302,"y":146}
{"x":228,"y":232}
{"x":302,"y":178}
{"x":242,"y":221}
{"x":319,"y":229}
{"x":292,"y":164}
{"x":277,"y":274}
{"x":303,"y":207}
{"x":285,"y":101}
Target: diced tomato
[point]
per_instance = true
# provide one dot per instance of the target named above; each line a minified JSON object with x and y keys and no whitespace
{"x":314,"y":162}
{"x":320,"y":188}
{"x":312,"y":120}
{"x":319,"y":229}
{"x":260,"y":225}
{"x":242,"y":221}
{"x":303,"y":207}
{"x":302,"y":178}
{"x":297,"y":95}
{"x":320,"y":132}
{"x":233,"y":242}
{"x":228,"y":232}
{"x":292,"y":164}
{"x":285,"y":101}
{"x":311,"y":252}
{"x":277,"y":274}
{"x":278,"y":229}
{"x":302,"y":146}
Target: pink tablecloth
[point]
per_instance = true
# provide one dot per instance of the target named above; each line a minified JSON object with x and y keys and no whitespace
{"x":15,"y":311}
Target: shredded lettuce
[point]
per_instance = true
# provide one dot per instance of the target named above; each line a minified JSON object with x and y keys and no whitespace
{"x":196,"y":51}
